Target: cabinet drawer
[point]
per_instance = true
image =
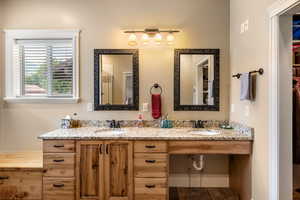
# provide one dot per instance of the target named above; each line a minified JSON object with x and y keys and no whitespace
{"x":210,"y":147}
{"x":150,"y":165}
{"x":20,"y":185}
{"x":59,"y":146}
{"x":59,"y":164}
{"x":151,"y":188}
{"x":59,"y":189}
{"x":150,"y":147}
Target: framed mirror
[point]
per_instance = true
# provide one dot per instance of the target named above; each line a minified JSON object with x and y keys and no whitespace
{"x":116,"y":79}
{"x":196,"y":80}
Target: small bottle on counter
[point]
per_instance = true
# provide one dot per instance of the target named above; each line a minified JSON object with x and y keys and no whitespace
{"x":140,"y":122}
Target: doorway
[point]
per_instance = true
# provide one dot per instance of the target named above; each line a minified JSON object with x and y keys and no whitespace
{"x":281,"y":99}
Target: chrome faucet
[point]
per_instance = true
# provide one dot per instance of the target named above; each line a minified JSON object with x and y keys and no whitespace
{"x":114,"y":124}
{"x":198,"y":124}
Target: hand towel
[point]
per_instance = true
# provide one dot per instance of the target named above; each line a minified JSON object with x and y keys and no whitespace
{"x":245,"y":86}
{"x":252,"y":84}
{"x":156,"y":106}
{"x":248,"y":86}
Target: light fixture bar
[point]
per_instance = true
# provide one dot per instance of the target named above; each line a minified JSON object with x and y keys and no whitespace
{"x":152,"y":30}
{"x":151,"y":35}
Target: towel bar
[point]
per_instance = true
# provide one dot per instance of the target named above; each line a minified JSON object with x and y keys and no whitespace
{"x":260,"y":71}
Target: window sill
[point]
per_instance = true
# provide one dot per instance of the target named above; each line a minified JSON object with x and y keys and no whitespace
{"x":41,"y":100}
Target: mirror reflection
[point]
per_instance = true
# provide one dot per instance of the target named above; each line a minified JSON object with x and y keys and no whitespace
{"x":116,"y":79}
{"x":196,"y":79}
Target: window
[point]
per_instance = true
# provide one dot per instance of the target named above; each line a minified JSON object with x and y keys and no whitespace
{"x":42,"y":66}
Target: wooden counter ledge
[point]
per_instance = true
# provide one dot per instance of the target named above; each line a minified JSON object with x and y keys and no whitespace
{"x":21,"y":160}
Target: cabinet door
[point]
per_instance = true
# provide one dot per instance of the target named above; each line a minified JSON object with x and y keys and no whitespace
{"x":119,"y":170}
{"x":90,"y":179}
{"x":20,"y":185}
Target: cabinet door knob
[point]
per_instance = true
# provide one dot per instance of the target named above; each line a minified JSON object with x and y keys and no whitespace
{"x":150,"y":161}
{"x":4,"y":177}
{"x":107,"y":148}
{"x":150,"y":146}
{"x":100,"y":148}
{"x":150,"y":186}
{"x":95,"y":166}
{"x":58,"y":185}
{"x":59,"y":160}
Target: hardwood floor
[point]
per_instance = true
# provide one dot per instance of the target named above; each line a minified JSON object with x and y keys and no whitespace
{"x":202,"y":194}
{"x":296,"y":195}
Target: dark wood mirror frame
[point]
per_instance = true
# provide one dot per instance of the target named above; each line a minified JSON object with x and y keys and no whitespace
{"x":216,"y":84}
{"x":135,"y":71}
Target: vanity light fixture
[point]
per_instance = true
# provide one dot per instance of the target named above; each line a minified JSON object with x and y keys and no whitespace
{"x":170,"y":38}
{"x":145,"y":38}
{"x":158,"y":38}
{"x":132,"y":39}
{"x":148,"y":34}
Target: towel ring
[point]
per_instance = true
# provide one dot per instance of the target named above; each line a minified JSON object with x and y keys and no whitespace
{"x":156,"y":85}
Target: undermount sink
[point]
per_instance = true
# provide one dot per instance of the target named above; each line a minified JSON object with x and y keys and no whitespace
{"x":205,"y":132}
{"x":110,"y":131}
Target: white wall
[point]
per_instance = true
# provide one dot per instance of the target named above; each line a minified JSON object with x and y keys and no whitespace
{"x":204,"y":24}
{"x":249,"y":51}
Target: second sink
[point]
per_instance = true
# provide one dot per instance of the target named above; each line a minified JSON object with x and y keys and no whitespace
{"x":205,"y":132}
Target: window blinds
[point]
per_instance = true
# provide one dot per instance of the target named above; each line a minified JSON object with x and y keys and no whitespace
{"x":46,"y":67}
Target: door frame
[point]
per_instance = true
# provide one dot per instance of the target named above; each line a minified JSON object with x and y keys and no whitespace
{"x":275,"y":11}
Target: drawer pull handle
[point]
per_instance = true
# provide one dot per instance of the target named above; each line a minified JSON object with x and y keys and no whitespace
{"x":150,"y":186}
{"x":4,"y":177}
{"x":150,"y":146}
{"x":59,"y":145}
{"x":58,"y":185}
{"x":62,"y":160}
{"x":150,"y":161}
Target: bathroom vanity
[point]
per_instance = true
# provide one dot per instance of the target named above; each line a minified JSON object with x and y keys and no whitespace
{"x":133,"y":163}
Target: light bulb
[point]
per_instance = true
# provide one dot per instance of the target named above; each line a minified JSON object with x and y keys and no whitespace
{"x":158,"y":38}
{"x":145,"y":38}
{"x":132,"y":40}
{"x":170,"y":38}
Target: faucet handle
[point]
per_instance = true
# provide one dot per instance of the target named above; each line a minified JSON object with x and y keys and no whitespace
{"x":118,"y":124}
{"x":112,"y":123}
{"x":194,"y":123}
{"x":201,"y":123}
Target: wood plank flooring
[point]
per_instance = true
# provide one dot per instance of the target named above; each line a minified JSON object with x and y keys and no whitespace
{"x":296,"y":195}
{"x":202,"y":194}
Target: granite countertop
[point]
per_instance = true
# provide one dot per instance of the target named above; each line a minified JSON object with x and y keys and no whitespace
{"x":100,"y":133}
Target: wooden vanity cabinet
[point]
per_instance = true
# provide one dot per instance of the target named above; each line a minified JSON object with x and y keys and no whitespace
{"x":59,"y":168}
{"x":20,"y":184}
{"x":151,"y":169}
{"x":130,"y":170}
{"x":104,"y":170}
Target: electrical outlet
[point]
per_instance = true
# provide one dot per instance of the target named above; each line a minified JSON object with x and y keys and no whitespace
{"x":247,"y":111}
{"x":145,"y":107}
{"x":242,"y":28}
{"x":246,"y":25}
{"x":90,"y":107}
{"x":232,"y":108}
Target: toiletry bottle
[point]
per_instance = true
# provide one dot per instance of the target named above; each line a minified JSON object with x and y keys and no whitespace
{"x":140,"y":123}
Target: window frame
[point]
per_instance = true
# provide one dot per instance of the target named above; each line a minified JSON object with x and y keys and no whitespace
{"x":12,"y":82}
